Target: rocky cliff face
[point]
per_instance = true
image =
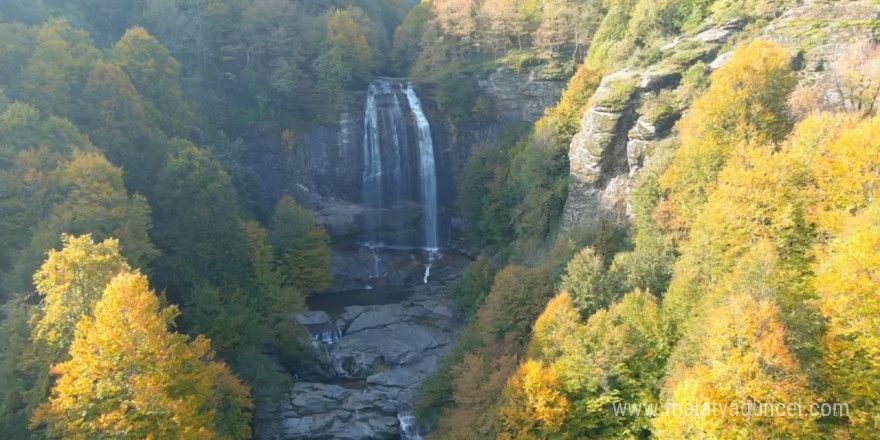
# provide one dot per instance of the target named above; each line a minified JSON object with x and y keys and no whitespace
{"x":519,"y":97}
{"x":323,"y":169}
{"x":620,"y":127}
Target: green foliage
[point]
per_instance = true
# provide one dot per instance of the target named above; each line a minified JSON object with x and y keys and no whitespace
{"x":481,"y":196}
{"x":58,"y":68}
{"x":471,"y":288}
{"x":197,"y":223}
{"x":408,"y":36}
{"x":617,"y":98}
{"x":517,"y":297}
{"x":457,"y":95}
{"x":301,"y":247}
{"x":88,"y":197}
{"x":156,"y":75}
{"x":24,"y":375}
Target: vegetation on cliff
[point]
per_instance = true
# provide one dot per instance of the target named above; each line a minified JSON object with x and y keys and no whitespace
{"x":728,"y":284}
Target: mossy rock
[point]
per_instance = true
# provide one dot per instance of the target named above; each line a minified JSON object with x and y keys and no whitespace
{"x":616,"y":96}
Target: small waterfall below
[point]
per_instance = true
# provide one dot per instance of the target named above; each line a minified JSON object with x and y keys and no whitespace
{"x":409,"y":429}
{"x":327,"y":333}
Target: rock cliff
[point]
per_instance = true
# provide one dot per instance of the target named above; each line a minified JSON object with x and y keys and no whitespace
{"x":625,"y":118}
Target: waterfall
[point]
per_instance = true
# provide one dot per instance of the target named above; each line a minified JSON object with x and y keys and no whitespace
{"x":408,"y":428}
{"x":427,"y":169}
{"x":398,"y":151}
{"x":327,"y":333}
{"x":372,"y":173}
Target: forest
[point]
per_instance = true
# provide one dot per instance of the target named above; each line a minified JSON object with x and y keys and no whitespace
{"x":143,"y":281}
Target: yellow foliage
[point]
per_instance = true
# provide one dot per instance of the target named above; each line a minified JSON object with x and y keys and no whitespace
{"x":71,"y":281}
{"x":745,"y":105}
{"x":130,"y":377}
{"x":848,"y":282}
{"x":554,"y":328}
{"x":743,"y":359}
{"x":847,"y":174}
{"x":533,"y":403}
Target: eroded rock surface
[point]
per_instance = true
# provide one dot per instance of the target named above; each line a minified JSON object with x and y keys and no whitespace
{"x":383,"y":353}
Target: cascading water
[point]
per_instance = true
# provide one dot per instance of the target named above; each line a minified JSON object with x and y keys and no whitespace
{"x":427,"y":170}
{"x":372,"y":174}
{"x":391,"y":165}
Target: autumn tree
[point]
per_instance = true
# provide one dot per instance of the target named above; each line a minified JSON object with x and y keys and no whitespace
{"x":743,"y":359}
{"x":477,"y":382}
{"x":301,"y":246}
{"x":567,"y":24}
{"x":745,"y":105}
{"x":131,"y":376}
{"x":847,"y":282}
{"x":71,"y":282}
{"x":533,"y":405}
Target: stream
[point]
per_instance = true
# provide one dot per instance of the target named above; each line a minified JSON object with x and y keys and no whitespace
{"x":380,"y":343}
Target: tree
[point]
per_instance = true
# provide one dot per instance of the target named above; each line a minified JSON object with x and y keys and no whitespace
{"x":130,"y":376}
{"x":197,"y":222}
{"x":71,"y":282}
{"x":17,"y":44}
{"x":408,"y":35}
{"x":745,"y":105}
{"x":477,"y":382}
{"x":301,"y":247}
{"x":618,"y":356}
{"x":471,"y":288}
{"x":583,"y":280}
{"x":89,"y":198}
{"x":32,"y":148}
{"x":58,"y":68}
{"x":460,"y":18}
{"x":847,"y":281}
{"x":553,"y":329}
{"x":156,"y":75}
{"x":348,"y":38}
{"x":533,"y":405}
{"x":517,"y":297}
{"x":743,"y":360}
{"x":114,"y":115}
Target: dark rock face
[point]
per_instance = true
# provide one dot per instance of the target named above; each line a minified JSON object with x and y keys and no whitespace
{"x":324,"y":169}
{"x":519,"y":97}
